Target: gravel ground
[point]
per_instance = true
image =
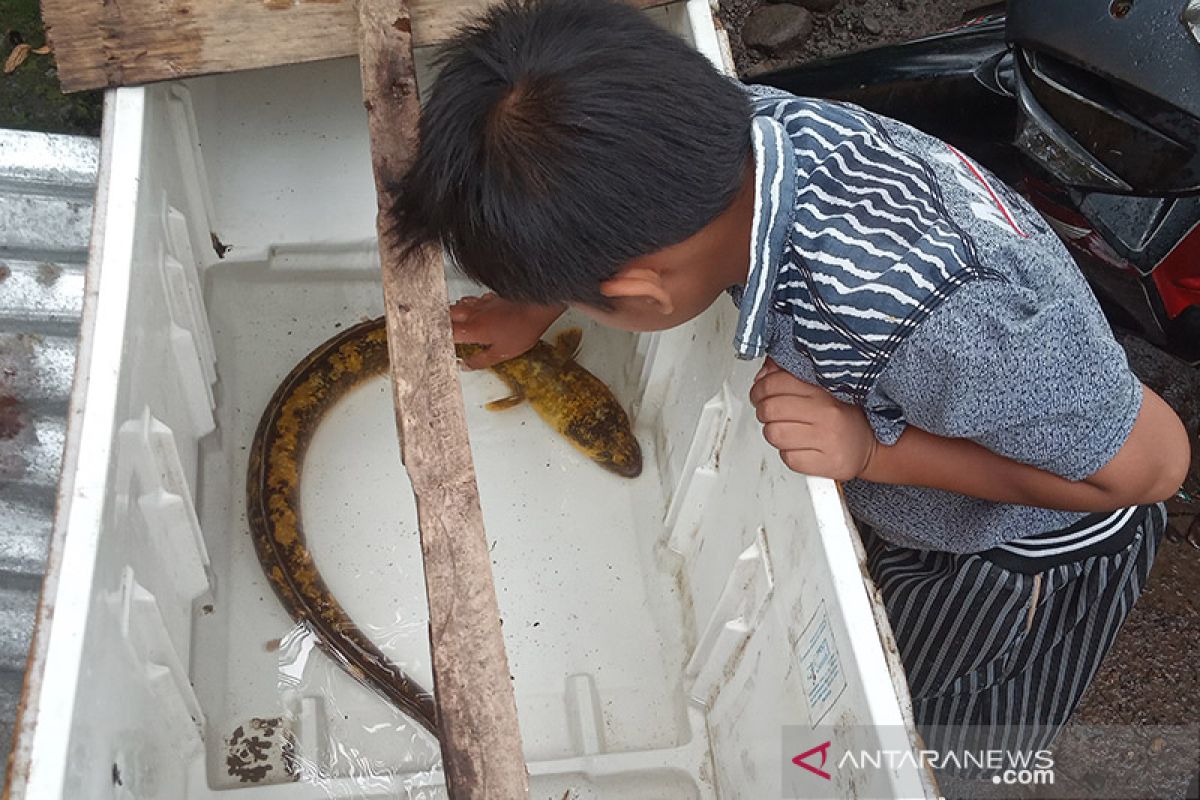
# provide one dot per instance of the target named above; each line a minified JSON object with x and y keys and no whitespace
{"x":1149,"y":678}
{"x":849,"y":25}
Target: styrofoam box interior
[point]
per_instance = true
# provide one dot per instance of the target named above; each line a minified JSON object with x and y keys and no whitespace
{"x":660,"y":631}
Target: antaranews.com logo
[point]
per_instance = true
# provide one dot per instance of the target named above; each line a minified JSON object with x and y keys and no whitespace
{"x":885,"y":762}
{"x":1007,"y":767}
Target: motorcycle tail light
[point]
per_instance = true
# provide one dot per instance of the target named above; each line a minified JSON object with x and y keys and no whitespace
{"x":1177,"y":276}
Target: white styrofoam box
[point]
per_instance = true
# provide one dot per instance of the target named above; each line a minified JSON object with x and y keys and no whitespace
{"x":656,"y":629}
{"x":127,"y":557}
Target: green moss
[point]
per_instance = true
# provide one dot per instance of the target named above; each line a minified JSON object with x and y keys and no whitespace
{"x":30,"y":98}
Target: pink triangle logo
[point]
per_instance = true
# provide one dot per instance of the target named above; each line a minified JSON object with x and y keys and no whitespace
{"x":823,"y":749}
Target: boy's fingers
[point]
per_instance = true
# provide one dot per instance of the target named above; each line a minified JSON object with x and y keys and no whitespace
{"x":787,"y":435}
{"x":484,"y":358}
{"x":466,"y":334}
{"x":782,"y":408}
{"x":477,"y":361}
{"x":800,"y":460}
{"x":464,"y":307}
{"x":767,"y":368}
{"x":489,"y":357}
{"x":778,"y":383}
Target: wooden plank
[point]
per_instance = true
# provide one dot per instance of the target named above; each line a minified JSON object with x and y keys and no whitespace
{"x":101,"y":43}
{"x":477,"y":715}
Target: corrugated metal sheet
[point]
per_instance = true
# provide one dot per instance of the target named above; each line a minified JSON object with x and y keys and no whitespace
{"x":47,"y":185}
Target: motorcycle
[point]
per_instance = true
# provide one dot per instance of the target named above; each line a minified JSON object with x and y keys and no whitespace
{"x":1091,"y":110}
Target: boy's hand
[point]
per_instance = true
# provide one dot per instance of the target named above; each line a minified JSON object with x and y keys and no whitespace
{"x":814,"y":432}
{"x":505,"y":328}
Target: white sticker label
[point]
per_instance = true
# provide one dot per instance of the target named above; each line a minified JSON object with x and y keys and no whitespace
{"x":820,"y":666}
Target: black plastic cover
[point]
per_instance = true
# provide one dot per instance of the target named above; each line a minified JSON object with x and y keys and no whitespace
{"x":1145,"y":44}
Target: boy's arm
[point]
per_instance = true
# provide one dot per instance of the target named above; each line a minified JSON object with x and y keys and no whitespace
{"x":505,"y":328}
{"x":818,"y":435}
{"x":1149,"y":467}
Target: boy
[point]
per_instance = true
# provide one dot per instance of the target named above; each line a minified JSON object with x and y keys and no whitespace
{"x":929,"y":341}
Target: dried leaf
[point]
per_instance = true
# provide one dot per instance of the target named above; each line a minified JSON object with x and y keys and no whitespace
{"x":41,"y":51}
{"x":17,"y":57}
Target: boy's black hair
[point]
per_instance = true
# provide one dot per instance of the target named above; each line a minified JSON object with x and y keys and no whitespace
{"x":564,"y":138}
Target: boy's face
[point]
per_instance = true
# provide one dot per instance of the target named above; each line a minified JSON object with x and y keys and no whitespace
{"x":675,"y":284}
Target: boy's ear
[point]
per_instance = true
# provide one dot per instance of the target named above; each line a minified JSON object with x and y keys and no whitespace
{"x":639,"y":282}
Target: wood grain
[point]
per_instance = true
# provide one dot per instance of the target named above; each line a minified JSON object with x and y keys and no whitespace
{"x":100,"y":43}
{"x":481,"y":744}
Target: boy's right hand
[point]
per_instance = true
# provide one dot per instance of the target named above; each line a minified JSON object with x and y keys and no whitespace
{"x":506,"y":329}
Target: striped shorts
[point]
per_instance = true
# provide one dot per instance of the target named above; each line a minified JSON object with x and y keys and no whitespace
{"x":1007,"y":640}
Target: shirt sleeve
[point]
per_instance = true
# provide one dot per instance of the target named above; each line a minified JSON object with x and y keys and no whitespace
{"x":1041,"y":381}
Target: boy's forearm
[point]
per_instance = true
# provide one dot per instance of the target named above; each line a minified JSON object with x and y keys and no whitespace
{"x":959,"y":465}
{"x":1149,"y":467}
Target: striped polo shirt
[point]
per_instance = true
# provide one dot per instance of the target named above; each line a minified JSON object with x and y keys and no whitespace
{"x":898,"y":274}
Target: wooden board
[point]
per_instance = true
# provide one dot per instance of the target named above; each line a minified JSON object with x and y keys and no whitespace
{"x":477,"y":714}
{"x":100,"y":43}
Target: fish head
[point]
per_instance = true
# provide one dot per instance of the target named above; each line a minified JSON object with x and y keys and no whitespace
{"x":608,"y":440}
{"x":625,"y":460}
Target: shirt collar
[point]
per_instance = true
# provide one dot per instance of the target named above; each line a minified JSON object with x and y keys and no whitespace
{"x":774,"y":207}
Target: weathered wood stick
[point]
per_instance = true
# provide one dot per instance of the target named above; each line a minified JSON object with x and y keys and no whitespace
{"x":481,"y":744}
{"x":100,"y":43}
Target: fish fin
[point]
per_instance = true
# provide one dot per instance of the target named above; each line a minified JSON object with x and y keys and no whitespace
{"x":504,"y":403}
{"x":567,"y":342}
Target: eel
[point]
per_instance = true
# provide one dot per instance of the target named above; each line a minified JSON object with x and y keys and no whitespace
{"x":568,"y":397}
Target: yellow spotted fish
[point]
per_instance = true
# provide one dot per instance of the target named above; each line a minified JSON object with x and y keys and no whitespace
{"x":568,"y":397}
{"x":571,"y":400}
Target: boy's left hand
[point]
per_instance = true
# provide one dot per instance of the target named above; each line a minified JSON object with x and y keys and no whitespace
{"x":814,"y":432}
